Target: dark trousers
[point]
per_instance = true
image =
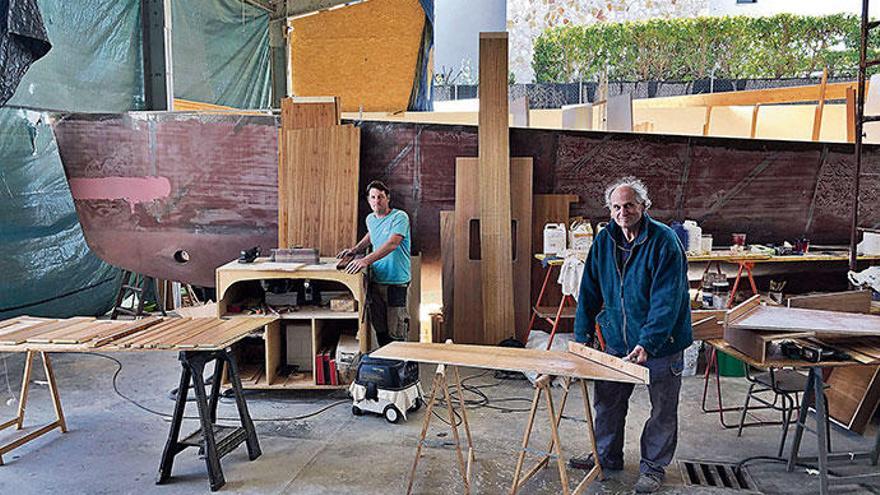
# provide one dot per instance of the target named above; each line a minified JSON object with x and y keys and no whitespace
{"x":660,"y":434}
{"x":389,"y":314}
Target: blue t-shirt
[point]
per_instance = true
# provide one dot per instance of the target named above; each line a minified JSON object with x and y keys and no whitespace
{"x":394,"y":268}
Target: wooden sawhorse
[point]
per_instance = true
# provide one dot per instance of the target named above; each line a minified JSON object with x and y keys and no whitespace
{"x":18,"y":420}
{"x":543,"y":385}
{"x":440,"y":384}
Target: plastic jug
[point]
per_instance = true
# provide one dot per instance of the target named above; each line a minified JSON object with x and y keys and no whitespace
{"x":554,"y":238}
{"x":580,"y":236}
{"x":695,"y":236}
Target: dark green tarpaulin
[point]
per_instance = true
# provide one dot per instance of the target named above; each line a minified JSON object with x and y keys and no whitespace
{"x":220,"y":56}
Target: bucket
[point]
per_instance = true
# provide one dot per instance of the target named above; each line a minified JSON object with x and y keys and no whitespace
{"x":730,"y":366}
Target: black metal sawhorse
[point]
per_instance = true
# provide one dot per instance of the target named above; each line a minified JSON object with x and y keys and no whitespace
{"x":815,"y":390}
{"x":214,"y":440}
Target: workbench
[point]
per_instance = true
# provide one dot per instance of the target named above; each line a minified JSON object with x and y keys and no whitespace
{"x":198,"y":342}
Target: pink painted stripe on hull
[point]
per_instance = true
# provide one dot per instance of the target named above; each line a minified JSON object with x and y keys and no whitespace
{"x":133,"y":190}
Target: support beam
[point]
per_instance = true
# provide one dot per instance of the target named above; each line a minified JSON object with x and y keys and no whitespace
{"x":158,"y":80}
{"x":494,"y":186}
{"x":817,"y":119}
{"x":278,"y":60}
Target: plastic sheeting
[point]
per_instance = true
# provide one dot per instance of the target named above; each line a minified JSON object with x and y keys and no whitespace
{"x":23,"y":40}
{"x":221,"y":53}
{"x":420,"y":99}
{"x":95,"y":64}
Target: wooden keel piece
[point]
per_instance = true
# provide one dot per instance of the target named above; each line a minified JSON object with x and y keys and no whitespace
{"x":496,"y":267}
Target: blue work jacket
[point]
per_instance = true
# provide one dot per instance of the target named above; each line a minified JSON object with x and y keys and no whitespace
{"x":643,"y":301}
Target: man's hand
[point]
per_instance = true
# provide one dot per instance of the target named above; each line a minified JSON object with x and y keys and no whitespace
{"x":344,"y":253}
{"x":638,"y":355}
{"x":357,"y":265}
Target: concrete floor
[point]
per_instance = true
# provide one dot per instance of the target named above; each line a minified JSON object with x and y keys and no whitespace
{"x":114,"y":447}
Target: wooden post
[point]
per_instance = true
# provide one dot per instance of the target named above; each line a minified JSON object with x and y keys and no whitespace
{"x":851,"y":114}
{"x":754,"y":120}
{"x":817,"y":119}
{"x":708,"y":119}
{"x":494,"y":183}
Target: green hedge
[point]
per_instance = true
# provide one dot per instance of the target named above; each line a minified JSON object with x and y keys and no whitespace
{"x":686,"y":49}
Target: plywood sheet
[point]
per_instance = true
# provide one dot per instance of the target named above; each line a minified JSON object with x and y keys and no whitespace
{"x":822,"y":323}
{"x":309,"y":112}
{"x":364,"y":53}
{"x":494,"y":181}
{"x":318,"y":188}
{"x":468,"y":293}
{"x":556,"y":363}
{"x":853,"y":395}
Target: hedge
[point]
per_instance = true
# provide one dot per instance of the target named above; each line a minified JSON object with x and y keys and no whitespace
{"x":739,"y":47}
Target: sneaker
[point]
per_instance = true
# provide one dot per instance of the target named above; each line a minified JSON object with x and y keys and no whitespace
{"x":648,"y":484}
{"x":587,"y":463}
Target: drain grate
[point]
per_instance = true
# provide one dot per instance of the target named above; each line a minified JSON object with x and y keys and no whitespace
{"x":716,"y":474}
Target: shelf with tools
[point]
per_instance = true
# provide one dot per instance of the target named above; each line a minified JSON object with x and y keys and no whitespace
{"x":321,"y":326}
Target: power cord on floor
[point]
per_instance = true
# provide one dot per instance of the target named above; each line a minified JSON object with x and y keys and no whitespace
{"x":778,"y":460}
{"x":167,"y":416}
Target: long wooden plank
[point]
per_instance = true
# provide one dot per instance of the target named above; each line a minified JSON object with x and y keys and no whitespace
{"x":556,"y":363}
{"x":159,"y":339}
{"x":230,"y":336}
{"x":133,"y":327}
{"x":494,"y":182}
{"x":833,"y":91}
{"x":640,"y":373}
{"x":136,"y":338}
{"x":821,"y":323}
{"x":817,"y":118}
{"x":73,"y":334}
{"x":219,"y":335}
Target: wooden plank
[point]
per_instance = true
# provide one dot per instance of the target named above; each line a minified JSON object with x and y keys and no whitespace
{"x":833,"y":91}
{"x":318,"y":181}
{"x":822,"y":323}
{"x":159,"y":340}
{"x":74,"y":327}
{"x":640,"y":373}
{"x":125,"y":331}
{"x":18,"y":323}
{"x":853,"y":395}
{"x":221,"y":336}
{"x":854,"y":301}
{"x":742,"y":309}
{"x":22,"y":335}
{"x":707,"y":121}
{"x":447,"y":280}
{"x":136,"y":340}
{"x":817,"y":118}
{"x":556,"y":363}
{"x":309,"y":112}
{"x":851,"y":115}
{"x":468,"y":295}
{"x":494,"y":185}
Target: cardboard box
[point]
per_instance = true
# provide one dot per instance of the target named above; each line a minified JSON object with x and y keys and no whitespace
{"x":343,"y":304}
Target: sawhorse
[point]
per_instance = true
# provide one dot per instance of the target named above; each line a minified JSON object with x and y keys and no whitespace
{"x":743,"y":264}
{"x":18,"y":420}
{"x":441,"y":385}
{"x":815,"y":389}
{"x":553,"y":316}
{"x":543,"y":386}
{"x":213,"y":440}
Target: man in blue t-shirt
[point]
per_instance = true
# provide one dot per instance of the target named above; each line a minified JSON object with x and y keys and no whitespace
{"x":388,"y":234}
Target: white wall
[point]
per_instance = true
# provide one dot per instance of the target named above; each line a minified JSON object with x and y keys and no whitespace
{"x":800,"y":7}
{"x":457,"y":27}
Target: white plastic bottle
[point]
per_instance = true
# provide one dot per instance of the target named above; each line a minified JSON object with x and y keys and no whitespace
{"x":695,"y":237}
{"x":554,"y":238}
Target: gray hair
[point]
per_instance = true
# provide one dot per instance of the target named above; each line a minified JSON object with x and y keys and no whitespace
{"x":631,"y":182}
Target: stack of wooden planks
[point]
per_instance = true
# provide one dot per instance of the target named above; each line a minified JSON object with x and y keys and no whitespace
{"x":318,"y":170}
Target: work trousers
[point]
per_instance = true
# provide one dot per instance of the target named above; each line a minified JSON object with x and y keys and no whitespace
{"x":388,"y":312}
{"x":660,"y":433}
